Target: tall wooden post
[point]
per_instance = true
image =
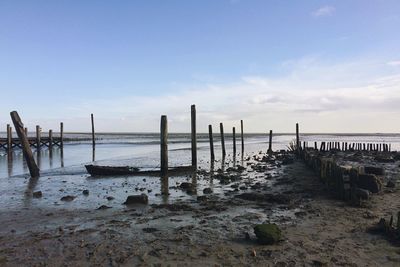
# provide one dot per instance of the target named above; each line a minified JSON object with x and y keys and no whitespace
{"x":270,"y":142}
{"x":19,"y":128}
{"x":234,"y":141}
{"x":241,"y":133}
{"x":297,"y":137}
{"x":194,"y":137}
{"x":221,"y":129}
{"x":164,"y":144}
{"x":62,"y":135}
{"x":210,"y":136}
{"x":38,"y":137}
{"x":50,"y":139}
{"x":9,"y":137}
{"x":93,"y":135}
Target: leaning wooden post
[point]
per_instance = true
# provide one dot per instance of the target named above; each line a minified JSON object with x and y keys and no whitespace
{"x":270,"y":142}
{"x":50,"y":139}
{"x":19,"y":128}
{"x":242,"y":137}
{"x":9,"y":138}
{"x":221,"y":129}
{"x":297,"y":138}
{"x":210,"y":136}
{"x":164,"y":144}
{"x":62,"y":135}
{"x":234,"y":141}
{"x":194,"y":137}
{"x":93,"y":135}
{"x":38,"y":137}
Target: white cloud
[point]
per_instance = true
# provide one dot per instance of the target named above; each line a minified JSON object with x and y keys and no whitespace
{"x":324,"y":11}
{"x":394,"y":63}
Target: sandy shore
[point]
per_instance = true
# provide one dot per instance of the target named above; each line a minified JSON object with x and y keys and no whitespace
{"x":209,"y":229}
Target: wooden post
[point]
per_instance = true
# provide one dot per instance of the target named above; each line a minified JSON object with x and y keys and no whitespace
{"x":38,"y":137}
{"x":26,"y":131}
{"x":270,"y":142}
{"x":210,"y":136}
{"x":50,"y":139}
{"x":194,"y":137}
{"x":234,"y":141}
{"x":221,"y":129}
{"x":164,"y":144}
{"x":297,"y":137}
{"x":242,"y":137}
{"x":93,"y":135}
{"x":9,"y":137}
{"x":315,"y":146}
{"x":19,"y":128}
{"x":62,"y":135}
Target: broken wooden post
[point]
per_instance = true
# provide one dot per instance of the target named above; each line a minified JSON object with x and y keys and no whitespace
{"x":19,"y":128}
{"x":210,"y":136}
{"x":38,"y":137}
{"x":234,"y":141}
{"x":61,"y":135}
{"x":194,"y":137}
{"x":270,"y":142}
{"x":50,"y":139}
{"x":315,"y":146}
{"x":93,"y":135}
{"x":297,"y":137}
{"x":221,"y":129}
{"x":164,"y":144}
{"x":26,"y":131}
{"x":242,"y":137}
{"x":9,"y":138}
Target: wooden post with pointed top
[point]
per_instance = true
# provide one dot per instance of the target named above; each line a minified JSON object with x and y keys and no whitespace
{"x":210,"y":136}
{"x":38,"y":137}
{"x":50,"y":139}
{"x":221,"y":129}
{"x":193,"y":136}
{"x":241,"y":133}
{"x":297,"y":137}
{"x":234,"y":141}
{"x":93,"y":134}
{"x":9,"y":138}
{"x":19,"y":128}
{"x":270,"y":142}
{"x":61,"y":135}
{"x":164,"y":144}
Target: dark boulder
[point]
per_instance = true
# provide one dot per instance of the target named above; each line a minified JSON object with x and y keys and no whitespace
{"x":268,"y":234}
{"x":369,"y":182}
{"x":137,"y":199}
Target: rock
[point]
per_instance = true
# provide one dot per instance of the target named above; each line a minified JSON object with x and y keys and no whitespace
{"x":137,"y":199}
{"x":384,"y":159}
{"x":362,"y":193}
{"x":85,"y":192}
{"x":207,"y":190}
{"x":37,"y":194}
{"x":268,"y":234}
{"x":391,"y":184}
{"x":202,"y":198}
{"x":68,"y":198}
{"x":369,"y":182}
{"x":374,"y":170}
{"x":185,"y":185}
{"x":150,"y":230}
{"x":109,"y":198}
{"x":103,"y":207}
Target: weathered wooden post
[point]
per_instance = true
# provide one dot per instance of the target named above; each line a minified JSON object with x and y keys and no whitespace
{"x":270,"y":142}
{"x":210,"y":136}
{"x":234,"y":141}
{"x":62,"y":135}
{"x":50,"y":139}
{"x":242,"y":137}
{"x":194,"y":137}
{"x":19,"y":128}
{"x":164,"y":144}
{"x":38,"y":137}
{"x":315,"y":146}
{"x":26,"y":131}
{"x":221,"y":129}
{"x":93,"y":135}
{"x":9,"y":137}
{"x":297,"y":138}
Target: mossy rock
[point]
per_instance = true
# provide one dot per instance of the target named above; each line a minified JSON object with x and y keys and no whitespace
{"x":268,"y":234}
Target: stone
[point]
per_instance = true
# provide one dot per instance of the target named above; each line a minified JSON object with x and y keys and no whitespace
{"x":103,"y":207}
{"x":207,"y":190}
{"x":185,"y":185}
{"x":109,"y":198}
{"x":391,"y":184}
{"x":137,"y":199}
{"x":68,"y":198}
{"x":268,"y":234}
{"x":85,"y":192}
{"x":37,"y":194}
{"x":369,"y":182}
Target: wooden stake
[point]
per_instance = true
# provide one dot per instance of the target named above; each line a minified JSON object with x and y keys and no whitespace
{"x":9,"y":137}
{"x":297,"y":137}
{"x":38,"y":137}
{"x":194,"y":137}
{"x":62,"y":135}
{"x":234,"y":141}
{"x":315,"y":146}
{"x":93,"y":134}
{"x":164,"y":144}
{"x":19,"y":128}
{"x":221,"y":129}
{"x":210,"y":136}
{"x":270,"y":142}
{"x":242,"y":137}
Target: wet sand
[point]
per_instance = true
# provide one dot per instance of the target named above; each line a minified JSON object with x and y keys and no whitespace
{"x":198,"y":229}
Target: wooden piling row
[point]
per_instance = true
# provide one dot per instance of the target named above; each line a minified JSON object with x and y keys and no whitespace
{"x":345,"y":146}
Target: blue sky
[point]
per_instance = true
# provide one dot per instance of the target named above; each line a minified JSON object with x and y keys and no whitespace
{"x":331,"y":65}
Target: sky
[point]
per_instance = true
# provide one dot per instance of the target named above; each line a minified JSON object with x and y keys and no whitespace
{"x":331,"y":66}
